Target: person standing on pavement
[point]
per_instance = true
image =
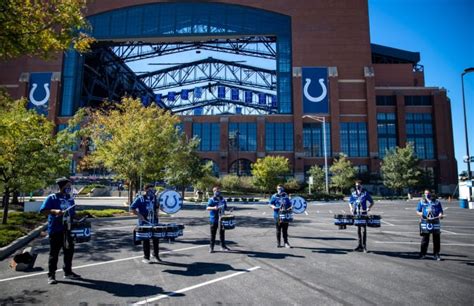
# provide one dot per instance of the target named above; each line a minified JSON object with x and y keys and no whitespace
{"x":280,"y":201}
{"x":358,"y":206}
{"x":146,"y":208}
{"x":430,"y":209}
{"x":216,"y":206}
{"x":59,"y":207}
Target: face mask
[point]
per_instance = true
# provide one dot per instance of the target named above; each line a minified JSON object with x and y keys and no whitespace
{"x":67,"y":190}
{"x":217,"y":193}
{"x":280,"y":190}
{"x":428,"y":196}
{"x":150,"y":193}
{"x":358,"y":187}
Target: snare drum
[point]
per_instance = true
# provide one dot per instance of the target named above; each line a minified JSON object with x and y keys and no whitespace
{"x":228,"y":222}
{"x":430,"y":226}
{"x":360,"y":220}
{"x":159,"y":230}
{"x":285,"y":216}
{"x":141,"y":233}
{"x":174,"y":230}
{"x":81,"y":231}
{"x":373,"y":221}
{"x":343,"y":220}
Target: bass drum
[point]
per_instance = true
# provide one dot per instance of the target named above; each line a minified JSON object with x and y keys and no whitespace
{"x":299,"y":205}
{"x":170,"y":201}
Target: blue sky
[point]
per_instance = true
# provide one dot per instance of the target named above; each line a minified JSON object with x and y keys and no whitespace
{"x":443,"y":32}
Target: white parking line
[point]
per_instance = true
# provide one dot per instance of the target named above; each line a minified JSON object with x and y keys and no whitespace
{"x":100,"y":263}
{"x":388,"y":223}
{"x":409,"y":242}
{"x":162,"y":296}
{"x":449,"y":232}
{"x":306,"y":213}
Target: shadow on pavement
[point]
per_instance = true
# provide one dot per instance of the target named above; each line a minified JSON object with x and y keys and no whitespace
{"x":267,"y":255}
{"x":326,"y":250}
{"x":27,"y":297}
{"x":199,"y":268}
{"x":117,"y":289}
{"x":323,"y":238}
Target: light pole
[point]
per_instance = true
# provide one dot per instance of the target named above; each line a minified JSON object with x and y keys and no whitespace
{"x":469,"y":176}
{"x":323,"y":120}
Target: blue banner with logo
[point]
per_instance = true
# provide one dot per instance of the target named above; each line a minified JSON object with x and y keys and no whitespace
{"x":221,"y":92}
{"x":198,"y":92}
{"x":315,"y":90}
{"x":184,"y":94}
{"x":262,"y":99}
{"x":171,"y":96}
{"x":248,"y":97}
{"x":39,"y":92}
{"x":234,"y":94}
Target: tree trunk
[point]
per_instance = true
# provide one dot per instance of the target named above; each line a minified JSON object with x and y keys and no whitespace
{"x":183,"y":190}
{"x":6,"y":198}
{"x":130,"y":192}
{"x":15,"y":195}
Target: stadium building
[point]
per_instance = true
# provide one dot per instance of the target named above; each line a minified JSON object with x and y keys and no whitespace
{"x":253,"y":78}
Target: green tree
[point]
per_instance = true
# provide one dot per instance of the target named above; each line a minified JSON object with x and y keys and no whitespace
{"x":319,"y":183}
{"x":184,"y":167}
{"x":31,"y":156}
{"x":343,"y":173}
{"x":207,"y":180}
{"x":42,"y":28}
{"x":270,"y":171}
{"x":230,"y":183}
{"x":132,"y":141}
{"x":400,"y":168}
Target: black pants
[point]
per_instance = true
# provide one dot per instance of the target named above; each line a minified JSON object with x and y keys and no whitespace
{"x":146,"y":248}
{"x":214,"y":227}
{"x":282,"y":226}
{"x":56,"y":243}
{"x":362,"y":234}
{"x":425,"y":241}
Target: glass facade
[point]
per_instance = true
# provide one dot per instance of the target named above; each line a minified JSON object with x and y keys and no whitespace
{"x":419,"y":128}
{"x":386,"y":100}
{"x":209,"y":134}
{"x":279,"y":136}
{"x":71,"y":84}
{"x":313,"y":140}
{"x":354,"y":139}
{"x":386,"y":132}
{"x":169,"y":20}
{"x":243,"y":136}
{"x":241,"y":167}
{"x":418,"y":100}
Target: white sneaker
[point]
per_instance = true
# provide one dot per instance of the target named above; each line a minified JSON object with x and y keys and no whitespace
{"x":146,"y":261}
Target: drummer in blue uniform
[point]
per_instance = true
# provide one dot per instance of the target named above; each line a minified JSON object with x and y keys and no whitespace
{"x":216,"y":207}
{"x":59,"y":207}
{"x":146,"y":208}
{"x":277,"y":202}
{"x":358,"y":206}
{"x":430,"y":208}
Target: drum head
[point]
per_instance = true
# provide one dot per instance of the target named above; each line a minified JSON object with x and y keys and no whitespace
{"x":299,"y":205}
{"x":170,"y":201}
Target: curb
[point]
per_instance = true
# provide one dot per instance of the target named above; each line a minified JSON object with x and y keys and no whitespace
{"x":22,"y":241}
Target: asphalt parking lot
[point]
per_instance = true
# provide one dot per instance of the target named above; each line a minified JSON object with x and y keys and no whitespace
{"x":320,"y":269}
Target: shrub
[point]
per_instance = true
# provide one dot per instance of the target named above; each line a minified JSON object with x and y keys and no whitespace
{"x":10,"y":233}
{"x":292,"y":186}
{"x":101,"y":213}
{"x":230,"y":183}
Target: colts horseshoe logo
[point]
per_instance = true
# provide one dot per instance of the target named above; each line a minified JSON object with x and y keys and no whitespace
{"x":87,"y":232}
{"x":299,"y":205}
{"x":46,"y":95}
{"x":315,"y":99}
{"x":170,"y":201}
{"x":429,"y":226}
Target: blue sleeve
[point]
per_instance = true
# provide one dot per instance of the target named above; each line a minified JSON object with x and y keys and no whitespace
{"x":418,"y":207}
{"x":47,"y":204}
{"x":135,"y":203}
{"x":210,"y":203}
{"x":288,"y":202}
{"x":352,"y":199}
{"x":272,"y":200}
{"x":369,"y":198}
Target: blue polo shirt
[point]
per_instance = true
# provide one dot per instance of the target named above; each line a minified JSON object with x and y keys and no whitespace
{"x":57,"y":201}
{"x":147,"y":207}
{"x":216,"y":202}
{"x":363,"y":197}
{"x":278,"y":200}
{"x":425,"y":207}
